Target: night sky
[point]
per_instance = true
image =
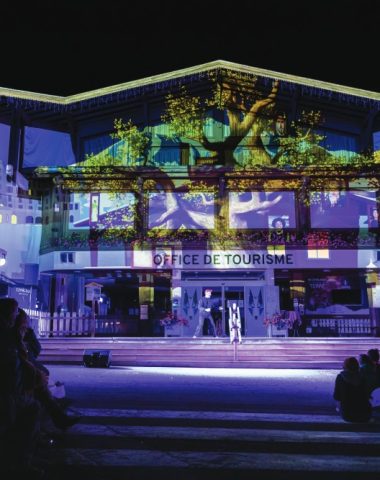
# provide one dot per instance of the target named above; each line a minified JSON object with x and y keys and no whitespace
{"x":74,"y":46}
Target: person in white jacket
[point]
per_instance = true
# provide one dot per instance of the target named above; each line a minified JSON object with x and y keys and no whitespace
{"x":234,"y":322}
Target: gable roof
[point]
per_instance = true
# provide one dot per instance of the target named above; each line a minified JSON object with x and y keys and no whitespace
{"x":177,"y":74}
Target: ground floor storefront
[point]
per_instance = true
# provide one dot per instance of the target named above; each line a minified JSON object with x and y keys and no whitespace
{"x":160,"y":297}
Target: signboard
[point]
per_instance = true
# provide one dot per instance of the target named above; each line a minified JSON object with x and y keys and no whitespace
{"x":93,"y":291}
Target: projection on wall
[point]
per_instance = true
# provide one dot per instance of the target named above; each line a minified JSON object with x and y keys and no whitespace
{"x":101,"y":210}
{"x":344,"y":209}
{"x":273,"y":210}
{"x":171,"y":210}
{"x":47,"y":147}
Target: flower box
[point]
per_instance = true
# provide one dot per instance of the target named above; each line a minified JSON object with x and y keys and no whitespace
{"x":175,"y":330}
{"x":275,"y":331}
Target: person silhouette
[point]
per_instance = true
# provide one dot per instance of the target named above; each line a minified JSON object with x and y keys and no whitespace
{"x":205,"y":306}
{"x":234,"y":322}
{"x":351,"y":393}
{"x":20,"y":419}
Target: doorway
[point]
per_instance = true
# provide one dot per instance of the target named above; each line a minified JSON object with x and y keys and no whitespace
{"x":248,"y":296}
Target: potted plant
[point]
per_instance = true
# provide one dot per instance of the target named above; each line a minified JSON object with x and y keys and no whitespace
{"x":277,"y":325}
{"x":173,"y":324}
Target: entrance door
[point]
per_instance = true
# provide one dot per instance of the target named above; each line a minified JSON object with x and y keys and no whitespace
{"x":254,"y":299}
{"x":222,"y":297}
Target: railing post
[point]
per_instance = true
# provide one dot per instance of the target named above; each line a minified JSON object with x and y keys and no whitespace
{"x":93,"y":324}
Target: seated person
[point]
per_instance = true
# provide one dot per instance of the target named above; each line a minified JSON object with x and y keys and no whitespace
{"x":30,"y":340}
{"x":351,"y":393}
{"x":36,"y":375}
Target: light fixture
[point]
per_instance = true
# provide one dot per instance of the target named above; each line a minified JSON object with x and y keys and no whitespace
{"x":3,"y":257}
{"x":371,"y":264}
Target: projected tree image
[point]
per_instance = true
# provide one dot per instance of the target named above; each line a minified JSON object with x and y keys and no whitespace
{"x":181,"y":210}
{"x":235,"y":125}
{"x":130,"y":148}
{"x":186,"y":116}
{"x":261,"y":210}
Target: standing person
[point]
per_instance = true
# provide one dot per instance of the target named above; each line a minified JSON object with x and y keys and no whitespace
{"x":20,"y":412}
{"x":205,"y":306}
{"x":234,"y":322}
{"x":351,"y":393}
{"x":368,"y":372}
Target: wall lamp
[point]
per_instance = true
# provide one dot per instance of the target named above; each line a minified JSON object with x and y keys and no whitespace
{"x":3,"y":257}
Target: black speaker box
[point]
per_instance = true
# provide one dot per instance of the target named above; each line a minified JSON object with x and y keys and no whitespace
{"x":97,"y":358}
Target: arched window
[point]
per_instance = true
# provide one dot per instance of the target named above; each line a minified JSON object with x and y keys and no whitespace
{"x":29,"y":219}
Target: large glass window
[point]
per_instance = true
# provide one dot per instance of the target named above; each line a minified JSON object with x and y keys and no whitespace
{"x":274,"y":210}
{"x":4,"y":144}
{"x":174,"y":210}
{"x":102,"y":210}
{"x":338,"y":143}
{"x":376,"y":141}
{"x":47,"y":148}
{"x":343,"y":209}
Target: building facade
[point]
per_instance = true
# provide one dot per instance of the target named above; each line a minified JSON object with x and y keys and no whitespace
{"x":259,"y":185}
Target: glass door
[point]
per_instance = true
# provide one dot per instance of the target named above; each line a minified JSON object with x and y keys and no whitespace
{"x":248,"y":296}
{"x":222,"y":298}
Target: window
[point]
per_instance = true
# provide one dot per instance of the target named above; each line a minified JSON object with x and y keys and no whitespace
{"x":102,"y":210}
{"x":67,"y":257}
{"x":339,"y":143}
{"x":318,"y":246}
{"x":14,"y":219}
{"x":343,"y":209}
{"x":321,"y":253}
{"x":273,"y":210}
{"x":47,"y":147}
{"x":276,"y":249}
{"x":179,"y":210}
{"x":29,"y":219}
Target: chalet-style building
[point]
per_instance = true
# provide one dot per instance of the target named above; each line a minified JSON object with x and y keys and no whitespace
{"x":127,"y":202}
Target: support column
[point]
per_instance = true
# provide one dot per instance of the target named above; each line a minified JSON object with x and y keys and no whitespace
{"x":373,"y":292}
{"x":146,"y":302}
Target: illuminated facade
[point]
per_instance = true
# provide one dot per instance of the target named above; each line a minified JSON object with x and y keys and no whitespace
{"x":260,"y":185}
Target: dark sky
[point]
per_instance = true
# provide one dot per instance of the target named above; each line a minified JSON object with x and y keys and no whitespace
{"x":74,"y":46}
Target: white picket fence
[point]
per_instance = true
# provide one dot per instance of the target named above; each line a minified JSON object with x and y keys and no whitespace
{"x":70,"y":324}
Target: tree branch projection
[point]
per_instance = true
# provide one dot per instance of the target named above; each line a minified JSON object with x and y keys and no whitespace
{"x":187,"y":114}
{"x":242,"y":115}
